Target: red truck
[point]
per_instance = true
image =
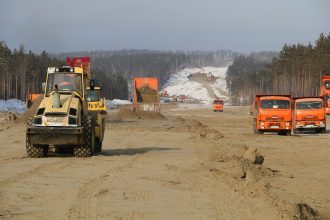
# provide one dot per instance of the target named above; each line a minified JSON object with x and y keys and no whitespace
{"x":309,"y":114}
{"x":272,"y":113}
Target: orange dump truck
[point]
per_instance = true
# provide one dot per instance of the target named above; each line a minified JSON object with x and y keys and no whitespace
{"x":217,"y":105}
{"x":145,"y":97}
{"x":272,"y":114}
{"x":31,"y":98}
{"x":309,"y":114}
{"x":325,"y":92}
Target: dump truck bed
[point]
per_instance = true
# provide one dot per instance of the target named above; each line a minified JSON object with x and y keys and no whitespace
{"x":146,"y":94}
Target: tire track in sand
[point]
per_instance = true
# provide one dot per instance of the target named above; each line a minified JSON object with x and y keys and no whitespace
{"x":85,"y":206}
{"x":27,"y":174}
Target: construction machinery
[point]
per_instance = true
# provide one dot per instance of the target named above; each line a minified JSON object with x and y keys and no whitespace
{"x":145,"y":94}
{"x":272,"y":114}
{"x":31,"y":98}
{"x":98,"y":110}
{"x":325,"y":92}
{"x":62,"y":118}
{"x":308,"y":114}
{"x":96,"y":104}
{"x":217,"y":105}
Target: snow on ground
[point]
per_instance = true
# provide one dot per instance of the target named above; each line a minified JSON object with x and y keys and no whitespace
{"x":17,"y":106}
{"x":180,"y":85}
{"x":12,"y":105}
{"x":116,"y":102}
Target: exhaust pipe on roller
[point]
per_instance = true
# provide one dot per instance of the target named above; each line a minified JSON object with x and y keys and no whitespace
{"x":56,"y":99}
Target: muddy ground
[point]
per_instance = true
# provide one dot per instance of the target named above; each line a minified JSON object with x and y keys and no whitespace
{"x":189,"y":164}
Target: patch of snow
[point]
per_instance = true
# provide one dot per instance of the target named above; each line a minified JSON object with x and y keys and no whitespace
{"x":180,"y":85}
{"x":12,"y":105}
{"x":116,"y":102}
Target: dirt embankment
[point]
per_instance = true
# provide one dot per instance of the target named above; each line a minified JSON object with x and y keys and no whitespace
{"x":243,"y":171}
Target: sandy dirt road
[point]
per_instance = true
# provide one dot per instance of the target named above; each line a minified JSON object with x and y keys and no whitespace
{"x":189,"y":165}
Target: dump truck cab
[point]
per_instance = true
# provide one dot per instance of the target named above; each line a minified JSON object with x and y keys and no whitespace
{"x":98,"y":110}
{"x":62,"y":119}
{"x":217,"y":105}
{"x":325,"y":92}
{"x":309,"y":114}
{"x":272,"y":114}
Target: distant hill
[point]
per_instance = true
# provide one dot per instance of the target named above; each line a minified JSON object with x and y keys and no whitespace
{"x":147,"y":63}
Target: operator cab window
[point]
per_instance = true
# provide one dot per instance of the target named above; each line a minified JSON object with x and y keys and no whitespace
{"x":275,"y":104}
{"x":93,"y":96}
{"x":309,"y":105}
{"x":66,"y":82}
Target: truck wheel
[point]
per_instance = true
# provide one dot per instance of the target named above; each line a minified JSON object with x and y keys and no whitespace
{"x":36,"y":151}
{"x":255,"y":130}
{"x":98,"y":145}
{"x":284,"y":132}
{"x":87,"y":149}
{"x":296,"y":131}
{"x":259,"y":132}
{"x":322,"y":130}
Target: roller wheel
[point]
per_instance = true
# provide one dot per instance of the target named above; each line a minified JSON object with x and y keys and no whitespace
{"x":87,"y":149}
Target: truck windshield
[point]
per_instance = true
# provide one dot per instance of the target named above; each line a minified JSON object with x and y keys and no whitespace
{"x":275,"y":104}
{"x":66,"y":82}
{"x":309,"y":105}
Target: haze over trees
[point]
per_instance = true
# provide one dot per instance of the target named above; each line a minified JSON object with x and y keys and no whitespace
{"x":295,"y":71}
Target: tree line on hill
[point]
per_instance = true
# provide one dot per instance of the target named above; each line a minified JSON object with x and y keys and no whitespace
{"x":148,"y":63}
{"x":22,"y":72}
{"x":296,"y":71}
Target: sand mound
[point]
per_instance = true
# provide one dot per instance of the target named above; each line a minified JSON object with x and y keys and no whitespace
{"x":126,"y":114}
{"x":31,"y":111}
{"x":6,"y":120}
{"x":306,"y":212}
{"x":253,"y":155}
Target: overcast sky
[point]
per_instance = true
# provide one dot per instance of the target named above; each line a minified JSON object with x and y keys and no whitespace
{"x":244,"y":26}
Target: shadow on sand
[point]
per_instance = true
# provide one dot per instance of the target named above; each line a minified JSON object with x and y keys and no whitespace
{"x":133,"y":151}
